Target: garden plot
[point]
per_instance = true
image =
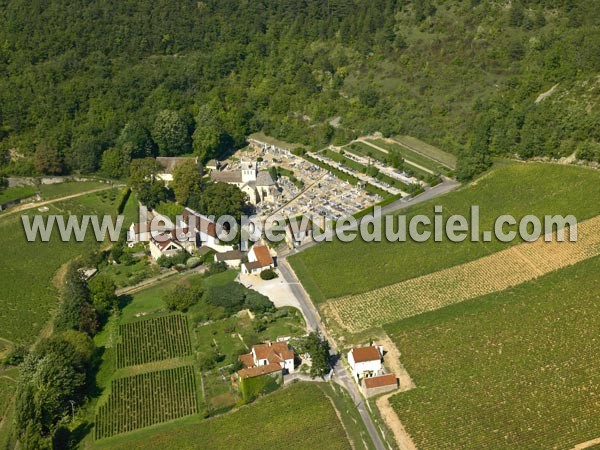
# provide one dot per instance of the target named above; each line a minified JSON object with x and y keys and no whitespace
{"x":147,"y":399}
{"x":153,"y":340}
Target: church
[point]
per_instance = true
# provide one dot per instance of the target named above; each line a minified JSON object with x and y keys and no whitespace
{"x":259,"y":186}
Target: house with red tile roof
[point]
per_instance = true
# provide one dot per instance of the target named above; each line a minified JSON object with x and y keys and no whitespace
{"x":259,"y":259}
{"x":378,"y":385}
{"x":366,"y":361}
{"x":267,"y":358}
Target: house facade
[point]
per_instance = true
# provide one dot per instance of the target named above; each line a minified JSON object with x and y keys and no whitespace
{"x":366,"y":361}
{"x":259,"y":259}
{"x":267,"y":358}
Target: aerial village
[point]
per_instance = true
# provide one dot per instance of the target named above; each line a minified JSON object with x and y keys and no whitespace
{"x":300,"y":188}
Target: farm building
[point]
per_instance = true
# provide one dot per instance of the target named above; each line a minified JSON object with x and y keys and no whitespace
{"x":378,"y":385}
{"x":232,"y":258}
{"x":267,"y":358}
{"x":259,"y":259}
{"x":366,"y":361}
{"x":168,"y":164}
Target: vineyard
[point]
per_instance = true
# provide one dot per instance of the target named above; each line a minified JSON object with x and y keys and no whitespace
{"x":517,"y":369}
{"x":516,"y":189}
{"x":498,"y":271}
{"x":301,"y":416}
{"x":147,"y":399}
{"x":152,"y":340}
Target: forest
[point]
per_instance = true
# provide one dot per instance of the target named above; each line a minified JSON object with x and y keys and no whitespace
{"x":88,"y":86}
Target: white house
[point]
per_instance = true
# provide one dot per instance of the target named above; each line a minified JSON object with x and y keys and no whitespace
{"x":163,"y":244}
{"x":366,"y":361}
{"x":138,"y":232}
{"x":259,"y":259}
{"x":267,"y":358}
{"x":203,"y":230}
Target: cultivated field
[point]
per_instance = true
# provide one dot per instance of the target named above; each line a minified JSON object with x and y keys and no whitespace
{"x":152,"y":340}
{"x":419,"y":164}
{"x":149,"y":398}
{"x":28,"y":268}
{"x":300,"y":415}
{"x":445,"y":158}
{"x":492,"y":273}
{"x":518,"y":369}
{"x":338,"y":269}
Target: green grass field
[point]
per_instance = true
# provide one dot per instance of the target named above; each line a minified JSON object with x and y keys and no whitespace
{"x":52,"y":191}
{"x":362,"y":149}
{"x":335,"y":269}
{"x":516,"y":369}
{"x":26,"y":274}
{"x":300,"y":416}
{"x":8,"y":384}
{"x":445,"y":158}
{"x":16,"y":193}
{"x":412,"y":156}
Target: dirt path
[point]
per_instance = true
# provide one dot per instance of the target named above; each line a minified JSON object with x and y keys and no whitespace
{"x":587,"y":444}
{"x":402,"y":438}
{"x":392,"y":362}
{"x":27,"y":206}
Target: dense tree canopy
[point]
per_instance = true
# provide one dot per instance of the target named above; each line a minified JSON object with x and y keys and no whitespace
{"x":186,"y":181}
{"x":79,"y":80}
{"x":219,"y":199}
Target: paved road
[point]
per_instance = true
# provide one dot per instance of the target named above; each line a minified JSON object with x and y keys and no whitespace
{"x":313,"y":321}
{"x":443,"y":188}
{"x":342,"y":376}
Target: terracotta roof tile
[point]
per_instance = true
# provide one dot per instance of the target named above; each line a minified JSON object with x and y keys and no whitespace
{"x":247,"y":360}
{"x":263,"y":255}
{"x":382,"y":380}
{"x":259,"y":370}
{"x":363,"y":354}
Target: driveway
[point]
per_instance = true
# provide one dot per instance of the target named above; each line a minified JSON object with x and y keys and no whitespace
{"x":282,"y":291}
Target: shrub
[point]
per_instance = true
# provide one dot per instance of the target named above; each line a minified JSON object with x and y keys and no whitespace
{"x":123,"y":197}
{"x":192,"y":262}
{"x":170,"y":261}
{"x":215,"y":267}
{"x":229,"y":297}
{"x":258,"y":303}
{"x":183,"y":296}
{"x":268,"y":274}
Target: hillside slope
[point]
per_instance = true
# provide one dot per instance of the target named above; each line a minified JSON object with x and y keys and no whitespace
{"x":462,"y":75}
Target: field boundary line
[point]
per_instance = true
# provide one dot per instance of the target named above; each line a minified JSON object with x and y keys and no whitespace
{"x":393,"y":422}
{"x":339,"y":417}
{"x":408,"y":161}
{"x":501,"y":270}
{"x":413,"y":149}
{"x":27,"y":206}
{"x":587,"y":444}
